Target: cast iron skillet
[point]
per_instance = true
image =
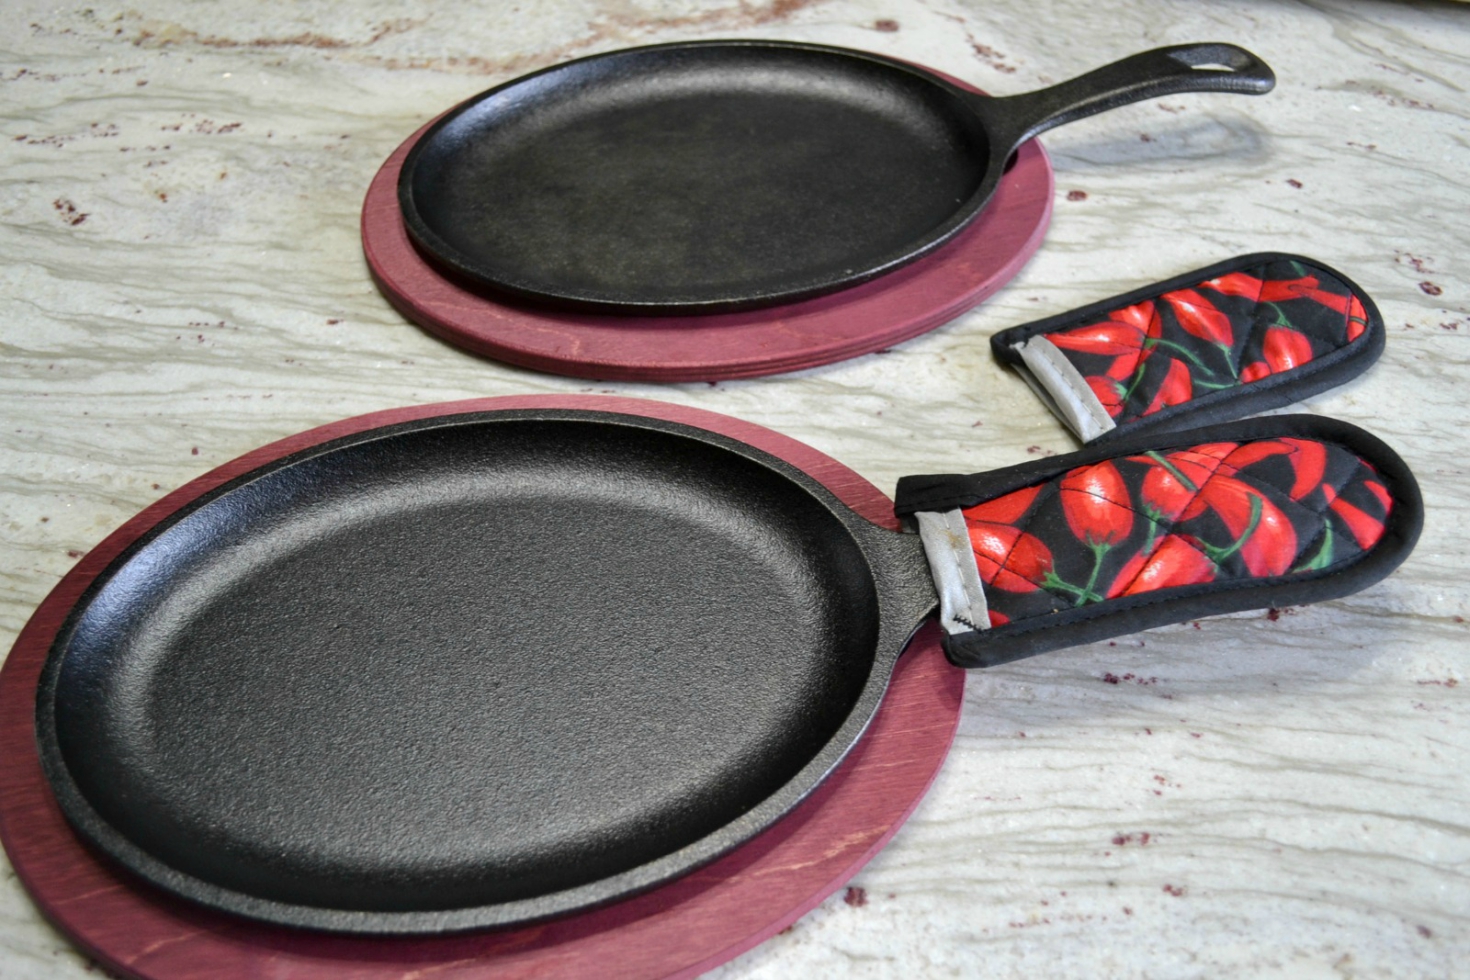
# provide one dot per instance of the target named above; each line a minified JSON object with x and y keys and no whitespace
{"x":724,"y":175}
{"x":479,"y":669}
{"x":472,"y":670}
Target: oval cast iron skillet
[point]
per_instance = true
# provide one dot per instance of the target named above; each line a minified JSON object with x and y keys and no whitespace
{"x":723,"y":175}
{"x":306,"y":697}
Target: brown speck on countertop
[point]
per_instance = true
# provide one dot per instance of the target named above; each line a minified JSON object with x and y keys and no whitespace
{"x":69,"y":212}
{"x":1430,"y":288}
{"x":1426,"y":932}
{"x":1294,"y":183}
{"x":886,"y":25}
{"x":1178,"y":891}
{"x":1076,"y":195}
{"x":194,"y":451}
{"x":856,"y":897}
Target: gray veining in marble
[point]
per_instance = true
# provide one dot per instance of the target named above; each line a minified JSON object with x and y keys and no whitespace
{"x":181,"y":280}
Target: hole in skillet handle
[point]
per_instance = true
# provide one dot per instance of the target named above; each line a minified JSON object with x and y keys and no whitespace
{"x":1204,"y":67}
{"x":1215,"y":57}
{"x":1164,"y":528}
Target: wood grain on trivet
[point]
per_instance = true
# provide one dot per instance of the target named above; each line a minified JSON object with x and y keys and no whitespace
{"x":892,"y":308}
{"x":678,"y":930}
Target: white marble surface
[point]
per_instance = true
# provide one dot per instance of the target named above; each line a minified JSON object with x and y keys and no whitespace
{"x":181,"y":280}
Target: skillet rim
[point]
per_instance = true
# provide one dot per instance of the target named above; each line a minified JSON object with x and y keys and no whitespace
{"x":587,"y":301}
{"x":900,"y":596}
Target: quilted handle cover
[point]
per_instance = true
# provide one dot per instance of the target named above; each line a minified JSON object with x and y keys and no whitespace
{"x":1269,"y":512}
{"x":1240,"y":337}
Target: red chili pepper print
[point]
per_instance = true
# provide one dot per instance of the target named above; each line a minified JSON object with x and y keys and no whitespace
{"x":1126,"y":338}
{"x":1199,"y":317}
{"x":1165,"y":495}
{"x":1380,"y":492}
{"x":1004,"y":510}
{"x":1307,"y":287}
{"x":1236,"y":328}
{"x":1254,"y":452}
{"x":1264,"y":535}
{"x":1357,"y":323}
{"x":1179,"y":517}
{"x":1366,"y":530}
{"x":1171,"y":487}
{"x":1309,"y":463}
{"x":1177,"y":389}
{"x":1009,"y":558}
{"x":1110,"y":339}
{"x":1176,"y":561}
{"x":1096,"y":504}
{"x":1235,"y":284}
{"x":1283,"y":349}
{"x":1109,"y":393}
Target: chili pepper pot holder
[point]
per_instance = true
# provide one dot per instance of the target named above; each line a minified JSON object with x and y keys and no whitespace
{"x":1149,"y":529}
{"x":1243,"y":336}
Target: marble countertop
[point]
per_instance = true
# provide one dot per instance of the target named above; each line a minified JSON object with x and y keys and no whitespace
{"x":1274,"y":795}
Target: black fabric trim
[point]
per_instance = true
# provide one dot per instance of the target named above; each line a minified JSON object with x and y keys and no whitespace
{"x":1328,"y":371}
{"x":1117,"y":617}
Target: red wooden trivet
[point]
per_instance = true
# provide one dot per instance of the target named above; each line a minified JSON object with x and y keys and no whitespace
{"x":678,"y":930}
{"x":860,"y":320}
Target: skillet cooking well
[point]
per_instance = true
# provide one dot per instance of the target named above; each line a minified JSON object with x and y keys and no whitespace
{"x":482,"y":668}
{"x":721,"y":175}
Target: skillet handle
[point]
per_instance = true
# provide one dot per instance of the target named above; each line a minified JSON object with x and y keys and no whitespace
{"x":1205,"y":67}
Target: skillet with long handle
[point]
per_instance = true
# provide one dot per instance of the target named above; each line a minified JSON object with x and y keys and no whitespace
{"x":722,"y":175}
{"x":482,"y":668}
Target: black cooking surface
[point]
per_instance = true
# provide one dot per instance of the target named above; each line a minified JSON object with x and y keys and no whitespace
{"x":705,"y":175}
{"x":460,"y":666}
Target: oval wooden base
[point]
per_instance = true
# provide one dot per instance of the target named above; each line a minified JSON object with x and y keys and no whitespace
{"x":678,"y":930}
{"x":860,"y":320}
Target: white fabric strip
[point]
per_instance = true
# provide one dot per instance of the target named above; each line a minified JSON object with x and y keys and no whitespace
{"x":1070,"y":396}
{"x":962,"y":606}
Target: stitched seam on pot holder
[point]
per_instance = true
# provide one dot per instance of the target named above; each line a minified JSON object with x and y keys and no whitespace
{"x":1079,"y":407}
{"x":946,"y":538}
